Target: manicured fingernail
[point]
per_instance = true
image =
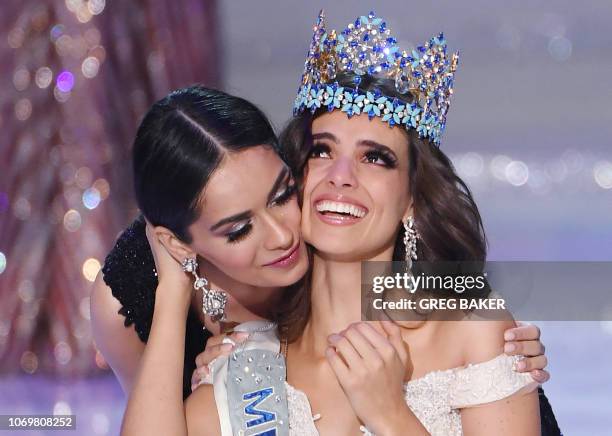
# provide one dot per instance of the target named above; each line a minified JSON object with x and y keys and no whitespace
{"x":509,"y":336}
{"x":241,"y":336}
{"x":509,"y":348}
{"x":521,"y":366}
{"x":227,"y":347}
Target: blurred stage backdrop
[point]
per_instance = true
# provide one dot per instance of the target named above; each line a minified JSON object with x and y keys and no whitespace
{"x":530,"y":130}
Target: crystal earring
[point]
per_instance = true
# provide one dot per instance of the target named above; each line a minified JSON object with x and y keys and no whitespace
{"x":410,"y":241}
{"x":410,"y":244}
{"x":213,"y":301}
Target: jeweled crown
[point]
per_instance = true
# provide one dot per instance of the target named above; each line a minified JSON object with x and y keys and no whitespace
{"x":367,"y":47}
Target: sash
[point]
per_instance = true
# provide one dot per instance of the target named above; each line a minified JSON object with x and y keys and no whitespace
{"x":249,"y":385}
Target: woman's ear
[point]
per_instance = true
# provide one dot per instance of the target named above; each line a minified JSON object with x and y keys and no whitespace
{"x":409,"y":212}
{"x":177,"y":248}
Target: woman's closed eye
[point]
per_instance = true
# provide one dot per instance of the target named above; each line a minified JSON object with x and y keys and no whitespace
{"x":239,"y":232}
{"x":285,"y":195}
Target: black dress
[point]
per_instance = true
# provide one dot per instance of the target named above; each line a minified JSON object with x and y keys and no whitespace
{"x":129,"y":270}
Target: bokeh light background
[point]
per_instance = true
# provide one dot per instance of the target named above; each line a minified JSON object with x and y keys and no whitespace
{"x":530,"y":130}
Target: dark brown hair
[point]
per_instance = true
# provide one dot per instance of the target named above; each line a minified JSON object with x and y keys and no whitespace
{"x":446,"y":216}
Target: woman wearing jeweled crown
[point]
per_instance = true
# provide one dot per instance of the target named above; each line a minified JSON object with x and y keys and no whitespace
{"x":376,"y":193}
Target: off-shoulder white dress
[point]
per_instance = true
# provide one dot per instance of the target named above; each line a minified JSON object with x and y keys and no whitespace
{"x":436,"y":398}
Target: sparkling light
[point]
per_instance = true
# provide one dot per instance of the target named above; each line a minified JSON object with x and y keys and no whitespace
{"x":472,"y":164}
{"x":2,"y":262}
{"x":517,"y":173}
{"x":62,"y":352}
{"x":91,"y":267}
{"x":72,"y":220}
{"x":16,"y":37}
{"x":100,"y":423}
{"x":103,"y":188}
{"x":29,"y":362}
{"x":96,"y":6}
{"x":23,"y":109}
{"x":56,"y":31}
{"x":65,"y":81}
{"x":90,"y":67}
{"x":22,"y":209}
{"x":91,"y":198}
{"x":63,"y":45}
{"x":21,"y":79}
{"x":83,"y":14}
{"x":44,"y":77}
{"x":83,"y":177}
{"x":498,"y":166}
{"x":62,"y":408}
{"x":602,"y":172}
{"x":60,"y":96}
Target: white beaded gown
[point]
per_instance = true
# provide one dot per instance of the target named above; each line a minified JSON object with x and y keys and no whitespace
{"x":436,"y":398}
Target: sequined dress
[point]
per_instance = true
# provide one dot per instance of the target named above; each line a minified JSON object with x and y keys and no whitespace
{"x":129,"y":270}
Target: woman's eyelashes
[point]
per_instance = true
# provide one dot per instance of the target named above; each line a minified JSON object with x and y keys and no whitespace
{"x":319,"y":150}
{"x":380,"y":157}
{"x":240,"y":233}
{"x":374,"y":156}
{"x":285,"y":195}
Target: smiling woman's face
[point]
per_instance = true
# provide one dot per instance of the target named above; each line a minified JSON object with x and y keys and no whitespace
{"x":356,"y":190}
{"x":249,"y":227}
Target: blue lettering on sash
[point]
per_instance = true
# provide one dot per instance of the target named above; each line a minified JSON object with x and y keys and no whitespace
{"x":264,"y":415}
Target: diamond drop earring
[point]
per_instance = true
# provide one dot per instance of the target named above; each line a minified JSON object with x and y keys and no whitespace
{"x":213,"y":301}
{"x":410,"y":241}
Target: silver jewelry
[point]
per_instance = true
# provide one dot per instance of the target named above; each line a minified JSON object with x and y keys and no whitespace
{"x":410,"y":245}
{"x":213,"y":301}
{"x":410,"y":241}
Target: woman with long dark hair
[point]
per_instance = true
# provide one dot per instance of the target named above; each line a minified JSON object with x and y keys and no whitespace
{"x":363,"y":181}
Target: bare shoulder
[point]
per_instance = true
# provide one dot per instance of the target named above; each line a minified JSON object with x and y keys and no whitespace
{"x":481,"y":339}
{"x":201,"y":412}
{"x":119,"y":345}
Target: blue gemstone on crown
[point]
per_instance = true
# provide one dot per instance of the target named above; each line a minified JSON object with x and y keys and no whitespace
{"x":367,"y":47}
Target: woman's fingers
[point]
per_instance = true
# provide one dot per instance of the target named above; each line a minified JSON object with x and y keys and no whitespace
{"x":198,"y":375}
{"x":362,"y":344}
{"x":540,"y":375}
{"x":531,"y":363}
{"x":346,"y":350}
{"x":524,"y":348}
{"x":394,"y":333}
{"x":215,"y":347}
{"x":338,"y":365}
{"x":524,"y":332}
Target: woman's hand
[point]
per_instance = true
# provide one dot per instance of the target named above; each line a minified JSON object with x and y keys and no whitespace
{"x":216,"y":346}
{"x":371,"y":368}
{"x":525,"y":340}
{"x":169,"y":271}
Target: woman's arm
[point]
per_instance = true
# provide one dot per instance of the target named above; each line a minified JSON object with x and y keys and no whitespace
{"x":119,"y":345}
{"x":516,"y":414}
{"x":155,"y":405}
